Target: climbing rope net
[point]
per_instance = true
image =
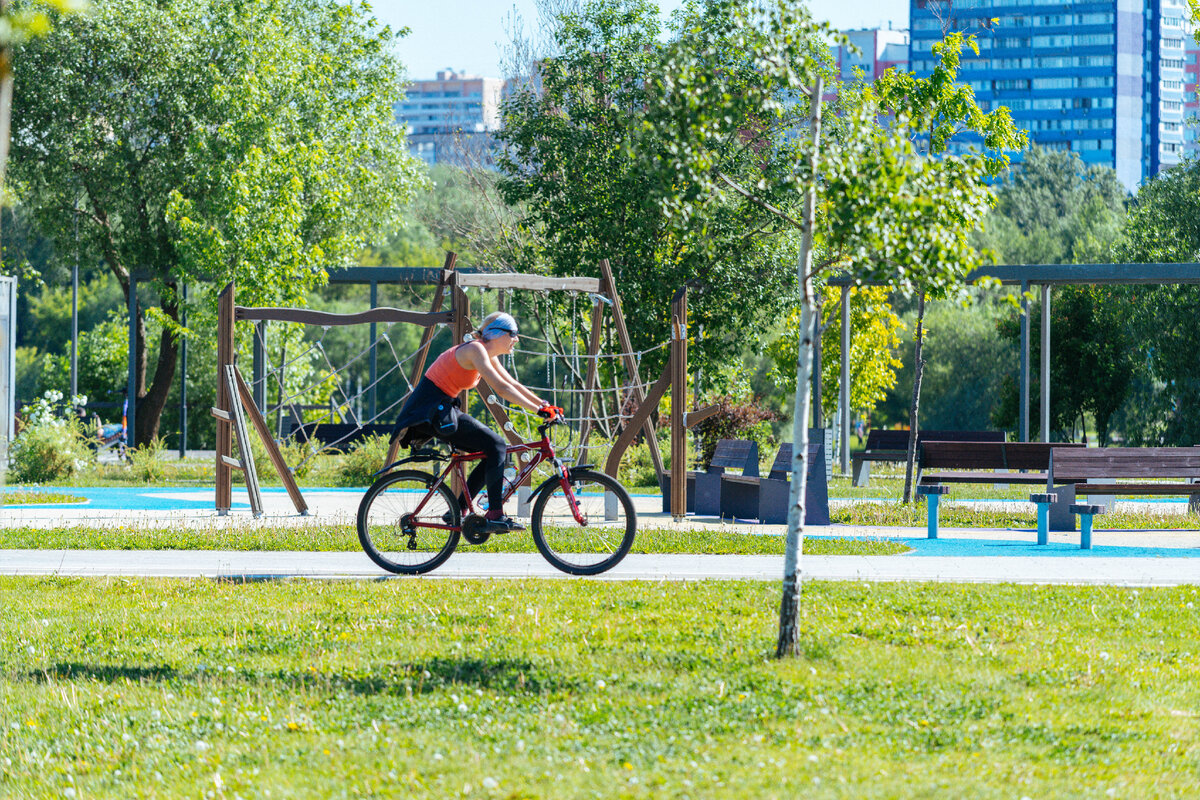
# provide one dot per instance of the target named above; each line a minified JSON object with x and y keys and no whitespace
{"x":321,"y":388}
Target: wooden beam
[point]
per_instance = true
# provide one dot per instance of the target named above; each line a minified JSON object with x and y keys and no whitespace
{"x":699,"y":415}
{"x":512,"y":280}
{"x":264,"y":433}
{"x":640,"y":417}
{"x":631,"y":367}
{"x":305,"y":316}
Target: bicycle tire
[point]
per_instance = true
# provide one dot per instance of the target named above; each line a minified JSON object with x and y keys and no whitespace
{"x":380,"y":517}
{"x":612,"y":524}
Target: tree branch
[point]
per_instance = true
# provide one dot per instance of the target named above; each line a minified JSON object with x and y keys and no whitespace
{"x":757,"y":201}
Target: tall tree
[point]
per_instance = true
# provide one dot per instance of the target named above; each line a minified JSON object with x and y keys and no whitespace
{"x":1164,"y":226}
{"x":942,"y":111}
{"x":1054,"y":209}
{"x":571,"y":164}
{"x":212,"y":140}
{"x":888,"y":212}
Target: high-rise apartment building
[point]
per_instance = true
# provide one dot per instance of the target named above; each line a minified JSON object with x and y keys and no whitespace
{"x":1191,"y":98}
{"x":450,"y":119}
{"x":1103,"y":79}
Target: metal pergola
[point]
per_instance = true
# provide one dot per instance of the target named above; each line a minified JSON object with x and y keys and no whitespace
{"x":1026,"y":276}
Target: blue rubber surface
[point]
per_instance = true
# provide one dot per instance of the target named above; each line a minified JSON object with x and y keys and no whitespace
{"x":150,"y":498}
{"x":923,"y":546}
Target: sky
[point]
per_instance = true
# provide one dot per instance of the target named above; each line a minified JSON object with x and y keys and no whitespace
{"x":468,"y":35}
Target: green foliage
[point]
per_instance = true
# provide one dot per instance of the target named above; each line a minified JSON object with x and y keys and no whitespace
{"x":146,"y":461}
{"x":578,"y":148}
{"x":212,"y":140}
{"x":48,"y":447}
{"x":1054,"y":209}
{"x":735,"y":419}
{"x":366,"y":458}
{"x":103,"y":362}
{"x":875,"y":338}
{"x":1094,"y":358}
{"x":1164,"y":226}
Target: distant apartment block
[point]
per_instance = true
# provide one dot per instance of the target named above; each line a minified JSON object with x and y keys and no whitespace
{"x":1103,"y":79}
{"x":451,"y":119}
{"x":878,"y":49}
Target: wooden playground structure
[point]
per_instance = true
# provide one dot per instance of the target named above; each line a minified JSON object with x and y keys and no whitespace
{"x":238,"y":410}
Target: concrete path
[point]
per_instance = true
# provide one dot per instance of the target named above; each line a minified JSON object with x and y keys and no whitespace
{"x":258,"y":565}
{"x":1140,"y":558}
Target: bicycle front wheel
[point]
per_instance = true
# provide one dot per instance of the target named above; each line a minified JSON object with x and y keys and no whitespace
{"x":606,"y":534}
{"x":395,"y":535}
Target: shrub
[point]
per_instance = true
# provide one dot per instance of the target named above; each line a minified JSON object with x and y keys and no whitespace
{"x":49,"y":447}
{"x":734,"y":420}
{"x":146,"y":463}
{"x":360,"y":464}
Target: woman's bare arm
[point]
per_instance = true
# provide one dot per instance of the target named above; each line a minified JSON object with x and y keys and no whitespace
{"x":474,"y":356}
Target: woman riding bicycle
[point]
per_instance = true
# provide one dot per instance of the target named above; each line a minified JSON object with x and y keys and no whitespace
{"x":432,"y":408}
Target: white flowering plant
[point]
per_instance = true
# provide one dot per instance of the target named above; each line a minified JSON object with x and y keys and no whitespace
{"x":52,"y":444}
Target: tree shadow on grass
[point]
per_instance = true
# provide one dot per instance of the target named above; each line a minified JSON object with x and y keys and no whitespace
{"x":505,"y":675}
{"x":105,"y":673}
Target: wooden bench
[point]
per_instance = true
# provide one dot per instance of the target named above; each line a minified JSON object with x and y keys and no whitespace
{"x":704,"y":488}
{"x":766,"y":499}
{"x":340,"y":436}
{"x":1120,"y":471}
{"x":892,"y":445}
{"x":941,"y":463}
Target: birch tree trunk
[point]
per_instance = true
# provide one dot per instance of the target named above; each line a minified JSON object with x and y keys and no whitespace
{"x":789,"y":606}
{"x":913,"y":412}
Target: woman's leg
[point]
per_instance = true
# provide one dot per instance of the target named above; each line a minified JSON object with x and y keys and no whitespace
{"x":473,"y":436}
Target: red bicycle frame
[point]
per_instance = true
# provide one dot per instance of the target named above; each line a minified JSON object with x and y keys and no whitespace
{"x":543,"y":450}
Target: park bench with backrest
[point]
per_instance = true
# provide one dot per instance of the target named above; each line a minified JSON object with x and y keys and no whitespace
{"x":766,"y":498}
{"x":943,"y":463}
{"x":704,"y":488}
{"x":1120,"y":471}
{"x":892,"y":445}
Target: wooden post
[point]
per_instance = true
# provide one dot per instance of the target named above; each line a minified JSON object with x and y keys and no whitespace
{"x":589,"y":386}
{"x":609,"y":288}
{"x":226,"y":353}
{"x":679,"y":405}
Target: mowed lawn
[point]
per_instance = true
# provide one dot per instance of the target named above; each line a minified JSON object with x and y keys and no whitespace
{"x":562,"y":689}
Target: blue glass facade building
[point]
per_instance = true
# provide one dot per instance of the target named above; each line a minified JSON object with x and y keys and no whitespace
{"x":1103,"y":79}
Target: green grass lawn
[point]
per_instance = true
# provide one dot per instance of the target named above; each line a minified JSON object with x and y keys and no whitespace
{"x":343,"y":537}
{"x":562,"y":689}
{"x":21,"y":497}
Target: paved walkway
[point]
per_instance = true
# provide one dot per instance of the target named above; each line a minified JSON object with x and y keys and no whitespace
{"x":969,"y":555}
{"x":257,"y":565}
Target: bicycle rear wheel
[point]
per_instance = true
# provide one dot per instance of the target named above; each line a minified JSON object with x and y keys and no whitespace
{"x":396,"y":539}
{"x":604,"y":539}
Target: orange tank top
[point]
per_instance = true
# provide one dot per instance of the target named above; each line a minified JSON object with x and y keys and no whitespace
{"x":450,"y":376}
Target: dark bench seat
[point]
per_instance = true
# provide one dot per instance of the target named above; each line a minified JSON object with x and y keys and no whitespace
{"x":704,"y":488}
{"x":892,"y":445}
{"x":766,"y":499}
